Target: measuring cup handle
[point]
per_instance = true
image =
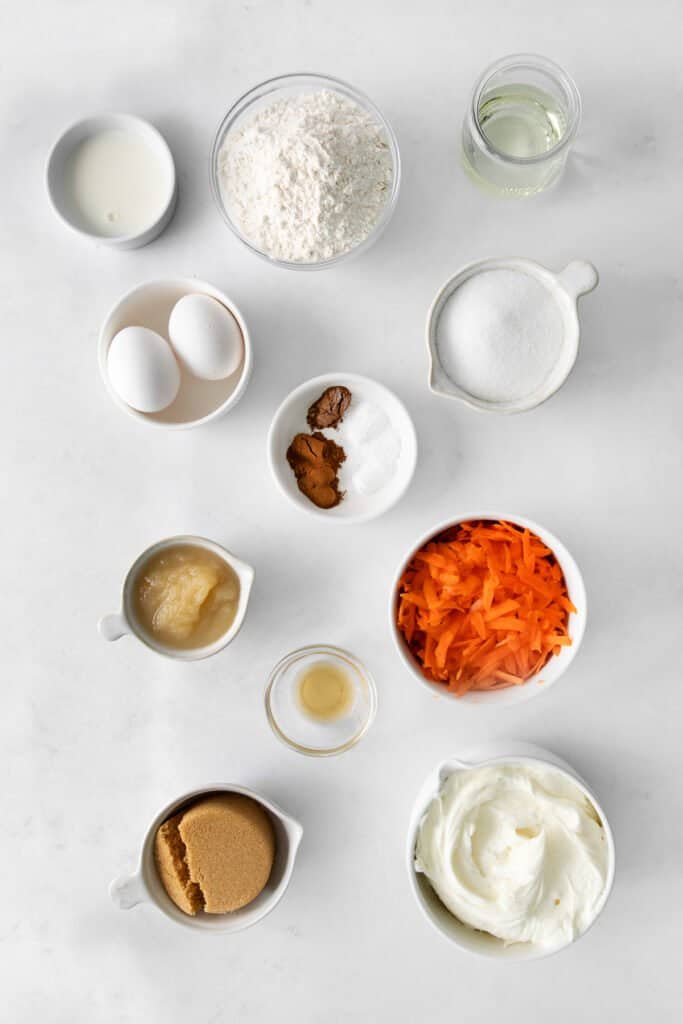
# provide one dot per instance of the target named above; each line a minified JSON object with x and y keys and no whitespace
{"x":112,"y":627}
{"x":128,"y":891}
{"x":579,"y":277}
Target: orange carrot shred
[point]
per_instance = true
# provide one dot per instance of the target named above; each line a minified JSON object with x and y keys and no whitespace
{"x":484,"y":606}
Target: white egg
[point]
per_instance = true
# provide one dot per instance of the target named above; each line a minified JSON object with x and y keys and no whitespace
{"x":205,"y":337}
{"x":142,"y":369}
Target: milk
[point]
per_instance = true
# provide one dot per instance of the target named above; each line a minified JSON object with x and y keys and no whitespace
{"x":117,"y":183}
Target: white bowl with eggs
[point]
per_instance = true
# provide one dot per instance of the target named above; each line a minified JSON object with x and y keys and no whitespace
{"x":159,"y":370}
{"x":463,"y":936}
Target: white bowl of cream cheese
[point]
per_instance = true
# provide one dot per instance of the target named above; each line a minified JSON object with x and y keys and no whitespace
{"x":509,"y":855}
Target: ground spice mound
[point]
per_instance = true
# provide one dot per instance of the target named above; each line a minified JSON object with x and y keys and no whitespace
{"x":315,"y":462}
{"x":329,"y":409}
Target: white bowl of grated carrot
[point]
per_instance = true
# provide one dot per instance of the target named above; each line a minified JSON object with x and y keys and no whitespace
{"x":488,"y":609}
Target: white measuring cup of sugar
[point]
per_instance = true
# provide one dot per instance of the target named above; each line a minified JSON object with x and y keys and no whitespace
{"x":578,"y":278}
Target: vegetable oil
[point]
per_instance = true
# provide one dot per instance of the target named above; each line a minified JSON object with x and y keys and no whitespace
{"x":518,"y":129}
{"x":521,"y":121}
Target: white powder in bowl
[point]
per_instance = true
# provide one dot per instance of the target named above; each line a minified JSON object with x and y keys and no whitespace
{"x":306,"y":178}
{"x":372,"y":445}
{"x":499,"y":335}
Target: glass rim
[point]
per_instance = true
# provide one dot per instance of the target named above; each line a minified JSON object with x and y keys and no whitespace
{"x":554,"y":71}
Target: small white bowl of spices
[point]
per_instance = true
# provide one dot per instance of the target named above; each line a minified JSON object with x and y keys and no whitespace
{"x":342,"y":448}
{"x":503,"y":334}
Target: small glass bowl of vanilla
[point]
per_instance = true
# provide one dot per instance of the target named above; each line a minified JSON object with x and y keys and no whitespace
{"x":320,"y":700}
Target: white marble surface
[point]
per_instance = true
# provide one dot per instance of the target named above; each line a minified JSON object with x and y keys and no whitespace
{"x":95,"y":738}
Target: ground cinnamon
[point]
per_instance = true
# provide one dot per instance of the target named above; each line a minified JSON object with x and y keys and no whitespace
{"x":329,"y":409}
{"x":315,"y":461}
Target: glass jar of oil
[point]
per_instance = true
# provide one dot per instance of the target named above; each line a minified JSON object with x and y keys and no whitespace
{"x":517,"y":132}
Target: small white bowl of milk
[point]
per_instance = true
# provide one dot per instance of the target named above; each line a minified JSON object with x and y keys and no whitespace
{"x":112,"y":179}
{"x":503,"y":335}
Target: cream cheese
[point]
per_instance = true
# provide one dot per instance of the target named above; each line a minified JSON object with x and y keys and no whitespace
{"x":516,"y":850}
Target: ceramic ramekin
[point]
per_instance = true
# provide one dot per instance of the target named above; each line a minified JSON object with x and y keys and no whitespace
{"x":577,"y":278}
{"x":283,"y":87}
{"x":290,"y":419}
{"x":145,"y":886}
{"x":461,"y":935}
{"x":198,"y":401}
{"x":553,"y":669}
{"x":118,"y":624}
{"x":58,"y":161}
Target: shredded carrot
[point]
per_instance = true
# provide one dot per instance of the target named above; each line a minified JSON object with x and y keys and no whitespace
{"x":484,"y":606}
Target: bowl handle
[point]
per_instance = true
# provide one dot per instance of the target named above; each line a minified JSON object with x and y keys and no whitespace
{"x":127,"y":891}
{"x":113,"y":627}
{"x":296,"y":834}
{"x":579,"y":277}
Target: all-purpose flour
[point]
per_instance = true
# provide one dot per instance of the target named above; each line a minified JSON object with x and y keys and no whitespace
{"x":499,"y":335}
{"x":307,"y":177}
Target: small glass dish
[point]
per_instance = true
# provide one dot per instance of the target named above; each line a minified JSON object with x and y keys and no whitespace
{"x":299,"y":730}
{"x":532,"y":109}
{"x":280,"y":88}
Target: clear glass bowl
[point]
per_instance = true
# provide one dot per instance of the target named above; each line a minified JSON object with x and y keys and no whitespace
{"x":300,"y":731}
{"x":280,"y":88}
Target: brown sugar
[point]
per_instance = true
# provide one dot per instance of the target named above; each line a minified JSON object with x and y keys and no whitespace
{"x":315,"y":461}
{"x":217,"y":854}
{"x":169,"y":854}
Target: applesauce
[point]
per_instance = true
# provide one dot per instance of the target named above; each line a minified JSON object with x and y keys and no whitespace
{"x":185,"y":596}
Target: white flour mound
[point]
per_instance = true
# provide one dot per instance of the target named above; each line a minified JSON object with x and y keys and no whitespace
{"x":307,"y":177}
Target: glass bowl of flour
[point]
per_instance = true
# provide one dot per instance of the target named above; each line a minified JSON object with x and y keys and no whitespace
{"x":305,"y":171}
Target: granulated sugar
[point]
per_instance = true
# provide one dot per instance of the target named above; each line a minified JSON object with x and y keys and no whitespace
{"x":499,"y":335}
{"x":306,"y":178}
